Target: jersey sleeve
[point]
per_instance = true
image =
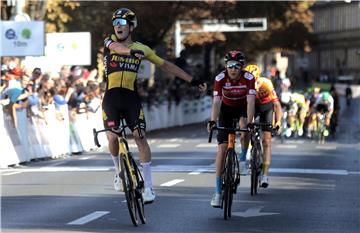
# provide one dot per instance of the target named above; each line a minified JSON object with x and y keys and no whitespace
{"x":250,"y":83}
{"x":109,"y":40}
{"x":149,"y":54}
{"x":272,"y":93}
{"x":218,"y":84}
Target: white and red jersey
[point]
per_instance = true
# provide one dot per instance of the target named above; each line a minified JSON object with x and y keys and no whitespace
{"x":234,"y":92}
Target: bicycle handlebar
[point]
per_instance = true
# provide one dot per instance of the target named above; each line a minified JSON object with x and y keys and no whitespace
{"x":229,"y":129}
{"x":116,"y":130}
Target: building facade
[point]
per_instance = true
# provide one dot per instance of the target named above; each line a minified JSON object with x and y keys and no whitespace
{"x":336,"y":53}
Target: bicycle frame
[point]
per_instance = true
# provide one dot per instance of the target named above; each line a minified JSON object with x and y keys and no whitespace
{"x":257,"y":151}
{"x":130,"y":174}
{"x":231,"y":171}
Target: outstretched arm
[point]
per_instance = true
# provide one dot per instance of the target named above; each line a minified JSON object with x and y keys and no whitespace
{"x":178,"y":72}
{"x":123,"y":50}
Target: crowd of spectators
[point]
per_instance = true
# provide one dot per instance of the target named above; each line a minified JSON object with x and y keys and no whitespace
{"x":76,"y":89}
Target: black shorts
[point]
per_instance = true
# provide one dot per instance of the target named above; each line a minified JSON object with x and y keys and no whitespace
{"x":265,"y":112}
{"x":226,"y":116}
{"x":122,"y":103}
{"x":322,"y":108}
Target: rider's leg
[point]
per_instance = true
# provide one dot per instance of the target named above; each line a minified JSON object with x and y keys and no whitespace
{"x":267,"y":152}
{"x":144,"y":156}
{"x":244,"y":139}
{"x":114,"y":149}
{"x":219,"y":164}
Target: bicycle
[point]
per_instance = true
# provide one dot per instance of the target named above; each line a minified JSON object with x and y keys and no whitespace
{"x":320,"y":129}
{"x":132,"y":180}
{"x":256,"y":158}
{"x":230,"y":174}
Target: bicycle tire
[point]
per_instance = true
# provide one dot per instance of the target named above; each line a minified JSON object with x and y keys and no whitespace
{"x":129,"y":191}
{"x":139,"y":189}
{"x":228,"y":185}
{"x":254,"y":168}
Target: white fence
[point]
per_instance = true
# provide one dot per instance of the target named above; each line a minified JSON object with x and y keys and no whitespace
{"x":34,"y":138}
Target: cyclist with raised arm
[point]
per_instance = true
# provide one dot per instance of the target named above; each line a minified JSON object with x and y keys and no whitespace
{"x":233,"y":98}
{"x":267,"y":102}
{"x":122,"y":59}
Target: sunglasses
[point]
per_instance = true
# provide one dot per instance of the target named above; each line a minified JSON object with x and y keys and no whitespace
{"x":234,"y":66}
{"x":119,"y":22}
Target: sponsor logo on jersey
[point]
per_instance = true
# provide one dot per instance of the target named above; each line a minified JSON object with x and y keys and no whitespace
{"x":113,"y":64}
{"x":252,"y":92}
{"x":248,"y":76}
{"x":220,"y":77}
{"x":111,"y":123}
{"x":227,"y":84}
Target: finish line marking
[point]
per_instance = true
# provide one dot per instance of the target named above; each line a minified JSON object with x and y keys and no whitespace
{"x":190,"y":169}
{"x":88,"y":218}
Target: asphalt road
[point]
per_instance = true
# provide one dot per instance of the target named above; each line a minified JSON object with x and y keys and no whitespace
{"x":313,"y":188}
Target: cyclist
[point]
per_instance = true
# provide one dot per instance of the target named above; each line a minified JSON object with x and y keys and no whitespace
{"x":233,"y":97}
{"x":310,"y":100}
{"x":266,"y":103}
{"x":122,"y":60}
{"x":325,"y":104}
{"x":298,"y":110}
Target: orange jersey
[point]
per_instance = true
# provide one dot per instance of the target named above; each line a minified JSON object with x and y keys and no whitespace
{"x":265,"y":91}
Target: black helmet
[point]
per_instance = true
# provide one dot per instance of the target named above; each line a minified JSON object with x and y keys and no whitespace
{"x":124,"y":13}
{"x":235,"y":55}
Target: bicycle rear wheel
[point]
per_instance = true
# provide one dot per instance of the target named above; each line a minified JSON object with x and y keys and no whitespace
{"x":139,"y":190}
{"x":129,"y":190}
{"x":228,"y":184}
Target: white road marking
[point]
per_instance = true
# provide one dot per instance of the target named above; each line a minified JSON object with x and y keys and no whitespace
{"x":309,"y":171}
{"x":286,"y":146}
{"x":11,"y":173}
{"x":324,"y":147}
{"x":175,"y":140}
{"x":197,"y":172}
{"x":295,"y":141}
{"x":85,"y":158}
{"x":168,"y":145}
{"x":206,"y":145}
{"x":252,"y":212}
{"x":63,"y":169}
{"x":55,"y":164}
{"x":132,"y":145}
{"x":172,"y":182}
{"x":88,"y":218}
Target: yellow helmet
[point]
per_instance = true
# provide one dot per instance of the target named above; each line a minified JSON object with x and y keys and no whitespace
{"x":254,"y":70}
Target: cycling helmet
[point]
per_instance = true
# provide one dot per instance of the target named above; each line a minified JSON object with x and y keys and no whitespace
{"x":235,"y":55}
{"x":254,"y":70}
{"x":325,"y":96}
{"x":316,"y":90}
{"x":124,"y":13}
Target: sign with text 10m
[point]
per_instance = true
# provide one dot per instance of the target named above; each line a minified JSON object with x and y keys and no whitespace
{"x":22,"y":38}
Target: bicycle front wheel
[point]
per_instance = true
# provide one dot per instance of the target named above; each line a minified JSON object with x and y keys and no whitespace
{"x":129,"y":190}
{"x":139,"y":190}
{"x":228,"y":183}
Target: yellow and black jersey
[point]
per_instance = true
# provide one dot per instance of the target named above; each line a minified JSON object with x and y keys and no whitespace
{"x":121,"y":70}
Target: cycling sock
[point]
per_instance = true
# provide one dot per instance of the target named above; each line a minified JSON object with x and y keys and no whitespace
{"x":243,"y":154}
{"x":265,"y":169}
{"x":116,"y":160}
{"x":218,"y":184}
{"x":147,"y":174}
